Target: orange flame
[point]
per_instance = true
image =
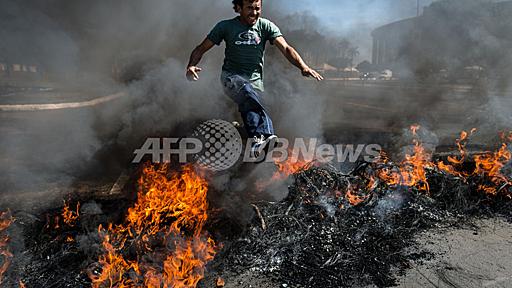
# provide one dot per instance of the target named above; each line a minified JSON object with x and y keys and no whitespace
{"x":186,"y":266}
{"x":487,"y":189}
{"x":289,"y":167}
{"x":171,"y":211}
{"x":69,"y":239}
{"x":414,"y":129}
{"x":411,"y":171}
{"x":69,"y":216}
{"x":461,"y":146}
{"x":5,"y":221}
{"x":220,"y":282}
{"x":353,"y":198}
{"x":371,"y":183}
{"x":114,"y":266}
{"x":490,"y":165}
{"x":449,"y":169}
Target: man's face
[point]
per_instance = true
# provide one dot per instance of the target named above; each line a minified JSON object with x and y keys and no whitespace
{"x":250,"y":11}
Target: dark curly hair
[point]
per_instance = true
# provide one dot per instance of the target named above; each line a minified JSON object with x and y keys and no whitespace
{"x":240,"y":3}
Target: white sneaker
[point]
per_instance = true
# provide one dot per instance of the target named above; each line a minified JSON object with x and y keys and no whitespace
{"x":260,"y":144}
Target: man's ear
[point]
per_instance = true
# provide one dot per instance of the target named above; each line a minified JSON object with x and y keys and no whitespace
{"x":238,"y":9}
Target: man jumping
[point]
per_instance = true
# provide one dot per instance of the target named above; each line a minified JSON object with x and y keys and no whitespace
{"x":242,"y":72}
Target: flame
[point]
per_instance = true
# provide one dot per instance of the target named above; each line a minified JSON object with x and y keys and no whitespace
{"x":114,"y":266}
{"x":220,"y":282}
{"x":371,"y":183}
{"x":461,"y":145}
{"x":457,"y":161}
{"x":490,"y":165}
{"x":289,"y":167}
{"x":69,"y":239}
{"x":383,"y":157}
{"x":487,"y":189}
{"x":186,"y":266}
{"x":414,"y":129}
{"x":353,"y":198}
{"x":449,"y":169}
{"x":5,"y":221}
{"x":411,"y":171}
{"x":69,"y":216}
{"x":170,"y":211}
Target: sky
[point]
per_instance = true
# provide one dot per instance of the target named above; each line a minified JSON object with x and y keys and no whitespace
{"x":355,"y":19}
{"x":341,"y":15}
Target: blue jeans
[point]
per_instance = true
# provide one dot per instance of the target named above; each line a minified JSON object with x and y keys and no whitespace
{"x":256,"y":119}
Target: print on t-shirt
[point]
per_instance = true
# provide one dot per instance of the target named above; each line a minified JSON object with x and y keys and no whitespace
{"x":248,"y":38}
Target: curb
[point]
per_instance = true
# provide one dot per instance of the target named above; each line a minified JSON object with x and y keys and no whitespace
{"x":58,"y":106}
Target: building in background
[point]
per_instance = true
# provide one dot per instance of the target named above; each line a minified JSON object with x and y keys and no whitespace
{"x":450,"y":35}
{"x":20,"y":73}
{"x":388,"y":40}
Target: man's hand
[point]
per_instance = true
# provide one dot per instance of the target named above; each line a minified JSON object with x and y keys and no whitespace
{"x":195,"y":57}
{"x":193,"y":73}
{"x":308,"y":72}
{"x":293,"y":56}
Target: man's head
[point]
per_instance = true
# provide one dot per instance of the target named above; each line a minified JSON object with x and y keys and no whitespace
{"x":250,"y":10}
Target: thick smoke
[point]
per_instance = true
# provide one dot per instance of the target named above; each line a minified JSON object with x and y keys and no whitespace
{"x":180,"y":101}
{"x":355,"y":20}
{"x":87,"y":43}
{"x":32,"y":37}
{"x":80,"y":44}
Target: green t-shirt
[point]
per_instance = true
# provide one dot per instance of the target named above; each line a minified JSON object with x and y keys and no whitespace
{"x":245,"y":47}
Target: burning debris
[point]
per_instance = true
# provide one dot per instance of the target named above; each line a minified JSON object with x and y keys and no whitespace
{"x":5,"y":221}
{"x":332,"y":230}
{"x":69,"y":216}
{"x":162,"y":242}
{"x":320,"y":236}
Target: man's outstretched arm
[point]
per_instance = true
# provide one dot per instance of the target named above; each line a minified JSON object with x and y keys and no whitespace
{"x":293,"y":56}
{"x":195,"y":58}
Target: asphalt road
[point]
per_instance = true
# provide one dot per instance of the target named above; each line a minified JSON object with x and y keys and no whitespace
{"x":476,"y":257}
{"x":445,"y":110}
{"x":44,"y":154}
{"x":57,"y":146}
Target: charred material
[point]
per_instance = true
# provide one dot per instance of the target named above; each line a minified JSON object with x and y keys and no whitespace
{"x":317,"y":238}
{"x":332,"y":230}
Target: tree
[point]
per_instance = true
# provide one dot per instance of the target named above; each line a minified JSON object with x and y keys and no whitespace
{"x":365,"y":66}
{"x":339,"y":62}
{"x":352,"y":53}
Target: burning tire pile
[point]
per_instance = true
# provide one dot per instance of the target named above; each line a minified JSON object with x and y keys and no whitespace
{"x":358,"y":229}
{"x":332,"y":230}
{"x":315,"y":239}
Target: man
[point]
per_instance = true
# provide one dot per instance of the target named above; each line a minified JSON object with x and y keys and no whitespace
{"x":242,"y":72}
